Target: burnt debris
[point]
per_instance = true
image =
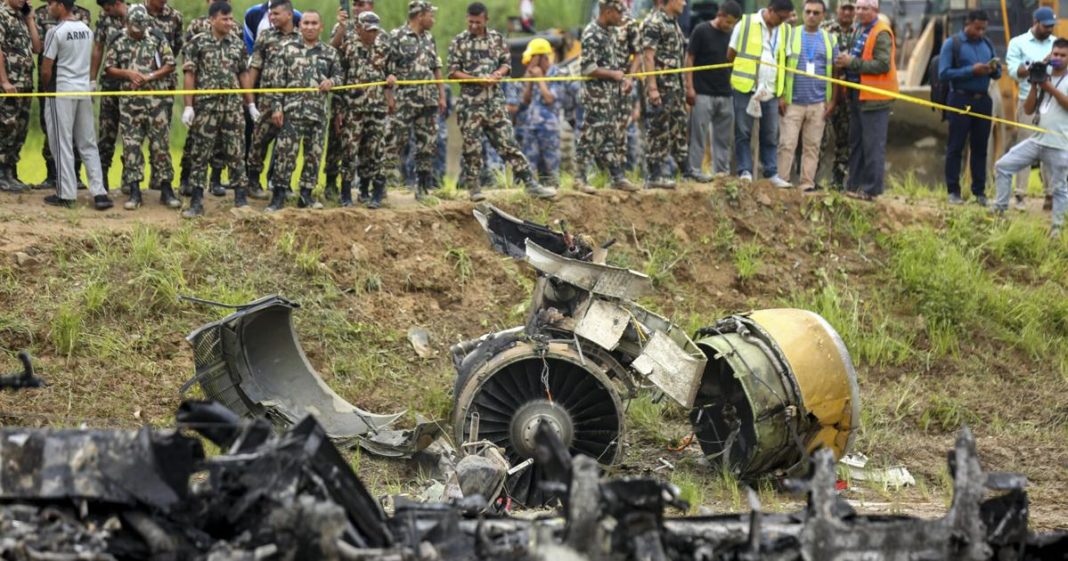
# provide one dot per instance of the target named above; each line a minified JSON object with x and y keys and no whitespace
{"x":115,"y":494}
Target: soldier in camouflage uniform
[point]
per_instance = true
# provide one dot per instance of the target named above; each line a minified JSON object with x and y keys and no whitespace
{"x":481,"y":53}
{"x":629,"y":121}
{"x":218,"y":188}
{"x":142,"y":58}
{"x":341,"y":35}
{"x":19,"y":41}
{"x":363,"y":111}
{"x":664,"y":48}
{"x":110,"y":25}
{"x":601,"y":97}
{"x":835,"y":145}
{"x":302,"y":118}
{"x":45,"y":22}
{"x":168,"y":22}
{"x":215,"y":60}
{"x":413,"y":56}
{"x":266,"y":67}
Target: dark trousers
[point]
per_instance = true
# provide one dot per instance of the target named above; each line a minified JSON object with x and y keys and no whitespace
{"x":867,"y":148}
{"x":965,"y":128}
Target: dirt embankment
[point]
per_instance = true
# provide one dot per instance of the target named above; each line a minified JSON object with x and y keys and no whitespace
{"x":711,"y":251}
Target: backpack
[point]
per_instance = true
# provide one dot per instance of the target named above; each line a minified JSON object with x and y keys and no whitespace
{"x":939,"y":89}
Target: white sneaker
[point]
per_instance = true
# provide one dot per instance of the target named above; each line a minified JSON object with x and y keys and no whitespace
{"x":780,"y":182}
{"x":1020,"y":203}
{"x":746,"y":176}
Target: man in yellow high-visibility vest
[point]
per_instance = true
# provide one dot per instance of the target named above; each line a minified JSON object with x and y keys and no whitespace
{"x":758,"y":51}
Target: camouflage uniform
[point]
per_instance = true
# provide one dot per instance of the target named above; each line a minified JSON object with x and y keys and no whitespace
{"x":413,"y":57}
{"x":108,"y":29}
{"x":304,"y":114}
{"x":18,"y":62}
{"x":143,"y":117}
{"x":196,"y":27}
{"x":537,"y":126}
{"x":218,"y":122}
{"x":268,"y":58}
{"x":630,"y":45}
{"x":835,"y":145}
{"x":600,"y":141}
{"x":335,"y":149}
{"x":363,"y":127}
{"x":481,"y":109}
{"x":666,"y":124}
{"x":45,"y":22}
{"x":169,"y":24}
{"x":572,"y":112}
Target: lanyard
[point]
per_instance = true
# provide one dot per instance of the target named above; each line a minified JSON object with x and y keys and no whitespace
{"x":812,"y":46}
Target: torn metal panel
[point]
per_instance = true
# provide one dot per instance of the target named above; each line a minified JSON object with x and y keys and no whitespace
{"x":124,"y":467}
{"x":670,"y":368}
{"x":603,"y":280}
{"x":603,"y":324}
{"x":252,"y":362}
{"x":508,"y":235}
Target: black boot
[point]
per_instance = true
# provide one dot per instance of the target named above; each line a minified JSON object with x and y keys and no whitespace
{"x":365,"y":186}
{"x":379,"y":193}
{"x":134,"y":202}
{"x":217,"y":187}
{"x":104,"y":178}
{"x":167,"y":198}
{"x":307,"y":201}
{"x":422,"y":186}
{"x":50,"y":177}
{"x":330,"y":192}
{"x":255,"y":189}
{"x":196,"y":204}
{"x":278,"y":200}
{"x":183,"y":183}
{"x":5,"y":180}
{"x":240,"y":197}
{"x":346,"y":194}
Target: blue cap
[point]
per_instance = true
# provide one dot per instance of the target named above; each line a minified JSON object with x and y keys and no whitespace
{"x":1046,"y":17}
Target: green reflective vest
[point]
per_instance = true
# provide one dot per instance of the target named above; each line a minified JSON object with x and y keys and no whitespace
{"x":750,"y":47}
{"x":793,"y":59}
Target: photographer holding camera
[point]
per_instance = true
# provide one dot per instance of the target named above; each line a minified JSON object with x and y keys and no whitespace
{"x":968,"y":63}
{"x":1048,"y":101}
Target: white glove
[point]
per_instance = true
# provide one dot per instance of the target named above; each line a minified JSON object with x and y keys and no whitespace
{"x":253,"y":112}
{"x":187,"y":116}
{"x":92,"y":86}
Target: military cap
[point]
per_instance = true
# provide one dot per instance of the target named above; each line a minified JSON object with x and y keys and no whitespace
{"x":617,"y":4}
{"x":416,"y":7}
{"x":369,"y":21}
{"x":138,"y":19}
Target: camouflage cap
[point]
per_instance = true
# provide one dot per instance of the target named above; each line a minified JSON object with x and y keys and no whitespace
{"x":137,"y":18}
{"x":369,"y":21}
{"x":416,"y":7}
{"x":617,"y":4}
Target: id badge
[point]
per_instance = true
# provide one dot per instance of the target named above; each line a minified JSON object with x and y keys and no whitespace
{"x":810,"y":67}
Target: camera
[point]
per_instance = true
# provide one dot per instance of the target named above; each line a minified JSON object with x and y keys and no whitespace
{"x":26,"y":9}
{"x":1038,"y":72}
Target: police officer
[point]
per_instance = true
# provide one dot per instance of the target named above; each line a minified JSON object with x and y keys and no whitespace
{"x":19,"y":41}
{"x":266,"y":67}
{"x":301,"y":118}
{"x":538,"y":116}
{"x":601,"y":97}
{"x":142,"y":58}
{"x":212,"y":61}
{"x":363,"y":112}
{"x":481,"y":54}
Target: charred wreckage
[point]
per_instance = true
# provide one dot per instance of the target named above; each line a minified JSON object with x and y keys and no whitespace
{"x":538,"y":412}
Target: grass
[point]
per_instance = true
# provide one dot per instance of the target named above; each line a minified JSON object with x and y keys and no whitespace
{"x":747,"y":260}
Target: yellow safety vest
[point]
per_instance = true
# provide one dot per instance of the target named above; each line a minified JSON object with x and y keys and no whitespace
{"x":793,"y":58}
{"x":751,"y":46}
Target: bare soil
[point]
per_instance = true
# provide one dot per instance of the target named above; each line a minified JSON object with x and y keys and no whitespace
{"x":436,"y":270}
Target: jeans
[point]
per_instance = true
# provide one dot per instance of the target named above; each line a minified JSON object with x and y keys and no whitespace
{"x":1021,"y":157}
{"x":717,"y":113}
{"x":769,"y":135}
{"x":867,"y":148}
{"x":975,"y":131}
{"x":1023,"y":178}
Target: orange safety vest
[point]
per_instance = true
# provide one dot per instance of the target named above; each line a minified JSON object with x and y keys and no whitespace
{"x":887,"y":81}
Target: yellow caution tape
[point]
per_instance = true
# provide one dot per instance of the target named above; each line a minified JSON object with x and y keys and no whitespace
{"x":349,"y":87}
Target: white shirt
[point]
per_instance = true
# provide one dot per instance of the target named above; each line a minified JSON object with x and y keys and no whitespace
{"x":1025,"y":49}
{"x":70,"y":45}
{"x":526,"y":9}
{"x":1054,"y":118}
{"x":767,"y":74}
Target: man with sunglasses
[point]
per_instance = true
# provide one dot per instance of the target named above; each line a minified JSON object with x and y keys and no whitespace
{"x":1034,"y":45}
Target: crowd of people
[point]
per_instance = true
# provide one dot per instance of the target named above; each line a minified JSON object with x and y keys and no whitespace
{"x":767,"y":73}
